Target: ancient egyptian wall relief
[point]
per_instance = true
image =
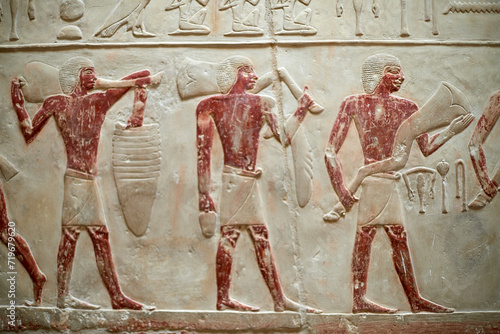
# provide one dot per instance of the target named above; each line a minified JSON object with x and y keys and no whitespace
{"x":71,"y":11}
{"x":364,"y":167}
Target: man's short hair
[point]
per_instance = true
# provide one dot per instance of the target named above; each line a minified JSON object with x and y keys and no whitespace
{"x":70,"y":72}
{"x":373,"y":70}
{"x":227,"y":71}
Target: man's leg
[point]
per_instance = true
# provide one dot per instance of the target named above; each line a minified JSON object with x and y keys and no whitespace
{"x":107,"y":270}
{"x":23,"y":253}
{"x":65,"y":257}
{"x":224,"y":261}
{"x":267,"y":266}
{"x":360,"y":265}
{"x":402,"y":262}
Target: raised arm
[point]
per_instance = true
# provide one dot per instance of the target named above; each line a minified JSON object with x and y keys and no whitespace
{"x":333,"y":165}
{"x":204,"y":139}
{"x":483,"y":128}
{"x":31,"y":128}
{"x":139,"y":79}
{"x":430,"y":144}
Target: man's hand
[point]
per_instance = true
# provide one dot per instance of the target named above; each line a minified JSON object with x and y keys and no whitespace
{"x":17,"y":94}
{"x":460,"y":123}
{"x":306,"y":101}
{"x":206,"y":203}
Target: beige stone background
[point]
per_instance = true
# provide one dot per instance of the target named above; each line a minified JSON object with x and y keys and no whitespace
{"x":172,"y":266}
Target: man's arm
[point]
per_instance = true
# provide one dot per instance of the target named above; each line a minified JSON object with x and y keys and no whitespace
{"x":483,"y":128}
{"x":31,"y":128}
{"x":141,"y":78}
{"x":204,"y":139}
{"x":293,"y":122}
{"x":429,"y":145}
{"x":333,"y":165}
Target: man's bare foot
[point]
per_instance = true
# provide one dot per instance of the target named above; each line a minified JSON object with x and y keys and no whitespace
{"x":235,"y":305}
{"x":479,"y":201}
{"x":424,"y":305}
{"x":125,"y":302}
{"x":290,"y":305}
{"x":367,"y":306}
{"x":37,"y":290}
{"x":70,"y":301}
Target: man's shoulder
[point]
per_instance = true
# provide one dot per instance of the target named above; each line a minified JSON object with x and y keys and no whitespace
{"x":403,"y":101}
{"x":57,"y":99}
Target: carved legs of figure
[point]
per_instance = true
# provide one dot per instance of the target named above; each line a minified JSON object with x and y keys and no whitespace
{"x":360,"y":265}
{"x":267,"y":266}
{"x":65,"y":257}
{"x":224,"y":262}
{"x":404,"y":268}
{"x":23,"y":254}
{"x":105,"y":264}
{"x":107,"y":270}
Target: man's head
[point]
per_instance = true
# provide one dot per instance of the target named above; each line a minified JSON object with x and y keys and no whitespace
{"x":71,"y":73}
{"x":381,"y":68}
{"x":228,"y":72}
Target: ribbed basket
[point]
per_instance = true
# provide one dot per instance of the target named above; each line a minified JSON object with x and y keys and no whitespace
{"x":136,"y":168}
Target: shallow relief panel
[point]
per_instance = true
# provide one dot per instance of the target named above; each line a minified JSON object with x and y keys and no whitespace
{"x":259,"y":165}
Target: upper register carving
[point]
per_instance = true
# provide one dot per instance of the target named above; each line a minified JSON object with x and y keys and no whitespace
{"x":189,"y":23}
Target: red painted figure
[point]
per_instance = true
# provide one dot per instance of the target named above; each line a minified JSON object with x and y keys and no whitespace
{"x":239,"y":117}
{"x":483,"y":128}
{"x":22,"y":250}
{"x":377,"y":116}
{"x":79,"y":117}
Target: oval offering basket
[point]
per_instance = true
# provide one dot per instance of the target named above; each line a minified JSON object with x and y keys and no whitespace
{"x":136,"y":168}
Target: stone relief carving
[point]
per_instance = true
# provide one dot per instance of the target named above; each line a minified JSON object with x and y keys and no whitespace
{"x":166,"y":253}
{"x":21,"y":249}
{"x":238,"y":117}
{"x":70,"y":11}
{"x":197,"y":78}
{"x":189,"y":23}
{"x":489,"y":186}
{"x":14,"y":8}
{"x":244,"y":23}
{"x":443,"y":168}
{"x":129,"y":13}
{"x":79,"y":117}
{"x":461,"y":183}
{"x":387,"y":126}
{"x":358,"y":6}
{"x":136,"y":166}
{"x":472,"y":7}
{"x":293,"y":24}
{"x":423,"y":174}
{"x":405,"y":32}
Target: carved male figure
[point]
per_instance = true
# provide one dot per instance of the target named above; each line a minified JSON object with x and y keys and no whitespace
{"x":243,"y":24}
{"x":377,"y":115}
{"x":79,"y":115}
{"x":300,"y":23}
{"x":239,"y":117}
{"x":188,"y":21}
{"x":23,"y":253}
{"x":489,"y":186}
